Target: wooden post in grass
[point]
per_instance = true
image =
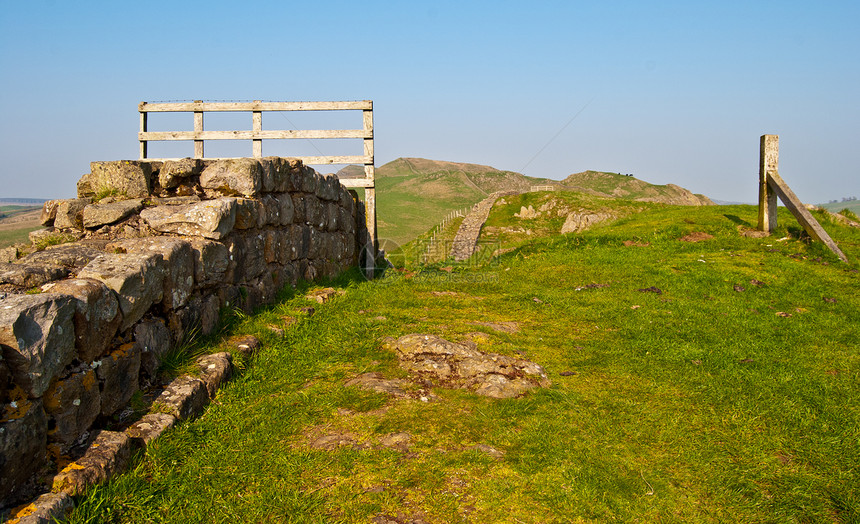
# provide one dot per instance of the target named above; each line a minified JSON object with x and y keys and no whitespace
{"x":768,"y":161}
{"x":771,"y":186}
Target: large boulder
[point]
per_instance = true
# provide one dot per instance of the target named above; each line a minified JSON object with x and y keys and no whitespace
{"x":233,"y":177}
{"x":137,"y":279}
{"x":97,"y":215}
{"x":128,"y":178}
{"x":210,"y":218}
{"x":23,"y":437}
{"x":97,"y":315}
{"x":37,"y":338}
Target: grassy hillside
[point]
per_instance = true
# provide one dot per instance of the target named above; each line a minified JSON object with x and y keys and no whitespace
{"x":853,"y":206}
{"x":709,"y":381}
{"x":414,"y":194}
{"x":16,"y":222}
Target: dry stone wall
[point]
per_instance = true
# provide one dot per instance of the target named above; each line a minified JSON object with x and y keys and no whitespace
{"x":158,"y":249}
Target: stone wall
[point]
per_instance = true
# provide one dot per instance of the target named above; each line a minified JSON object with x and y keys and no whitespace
{"x":158,"y":249}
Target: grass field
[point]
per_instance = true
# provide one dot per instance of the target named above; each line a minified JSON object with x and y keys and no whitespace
{"x":716,"y":381}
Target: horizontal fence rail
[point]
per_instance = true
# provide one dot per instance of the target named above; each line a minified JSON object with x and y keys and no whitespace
{"x":257,"y":134}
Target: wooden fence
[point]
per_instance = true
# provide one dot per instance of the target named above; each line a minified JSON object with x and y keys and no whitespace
{"x":771,"y":186}
{"x":257,"y":134}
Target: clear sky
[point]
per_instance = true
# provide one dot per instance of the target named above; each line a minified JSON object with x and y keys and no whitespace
{"x":672,"y":92}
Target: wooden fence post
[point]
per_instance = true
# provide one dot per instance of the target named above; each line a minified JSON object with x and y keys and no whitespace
{"x":198,"y":126}
{"x":142,"y":130}
{"x":768,"y":161}
{"x":257,"y":125}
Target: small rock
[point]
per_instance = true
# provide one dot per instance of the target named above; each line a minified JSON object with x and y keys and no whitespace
{"x":746,"y":361}
{"x":830,"y":300}
{"x":150,"y":427}
{"x":489,"y":450}
{"x":184,"y":397}
{"x":568,"y":373}
{"x":47,"y":509}
{"x":247,"y":345}
{"x":308,"y":311}
{"x":739,"y":288}
{"x":652,"y":289}
{"x":399,"y":441}
{"x":215,"y":369}
{"x":757,"y":283}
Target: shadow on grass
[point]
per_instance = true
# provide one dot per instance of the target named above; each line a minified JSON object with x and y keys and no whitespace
{"x":738,"y":220}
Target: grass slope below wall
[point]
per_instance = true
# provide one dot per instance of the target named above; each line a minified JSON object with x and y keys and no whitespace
{"x":733,"y":394}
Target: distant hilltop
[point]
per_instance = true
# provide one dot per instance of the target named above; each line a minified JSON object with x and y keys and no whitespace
{"x":23,"y":201}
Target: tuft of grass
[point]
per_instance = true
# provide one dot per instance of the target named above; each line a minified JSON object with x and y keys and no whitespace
{"x":53,"y":240}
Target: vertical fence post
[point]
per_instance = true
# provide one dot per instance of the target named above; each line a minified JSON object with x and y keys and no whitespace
{"x":370,"y":174}
{"x":198,"y":126}
{"x":257,"y":125}
{"x":768,"y":161}
{"x":143,"y":115}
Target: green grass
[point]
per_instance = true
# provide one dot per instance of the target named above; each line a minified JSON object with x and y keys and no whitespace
{"x":853,"y":206}
{"x":698,"y":404}
{"x":15,"y":236}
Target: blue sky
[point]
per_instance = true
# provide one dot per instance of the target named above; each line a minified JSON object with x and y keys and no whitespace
{"x":673,"y":92}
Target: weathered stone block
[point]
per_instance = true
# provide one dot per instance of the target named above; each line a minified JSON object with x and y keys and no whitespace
{"x":174,"y":172}
{"x":211,"y":260}
{"x":118,"y":373}
{"x":97,"y":215}
{"x":129,"y":178}
{"x":71,"y":255}
{"x":184,"y":397}
{"x":332,"y":210}
{"x":49,"y":212}
{"x":70,"y":213}
{"x":23,"y":437}
{"x":248,"y":253}
{"x":310,"y":180}
{"x":26,"y":274}
{"x":72,"y":403}
{"x":37,"y":338}
{"x":314,"y":212}
{"x":315,"y":245}
{"x":234,"y":177}
{"x":268,"y":169}
{"x":153,"y":339}
{"x":273,"y":210}
{"x":178,"y":258}
{"x":272,"y":245}
{"x":149,"y":428}
{"x":210,"y":218}
{"x":85,"y":187}
{"x":46,"y":509}
{"x":137,"y":279}
{"x":285,"y":208}
{"x":300,"y":241}
{"x":215,"y":369}
{"x":107,"y":455}
{"x":298,"y":208}
{"x":250,"y":213}
{"x":97,"y":316}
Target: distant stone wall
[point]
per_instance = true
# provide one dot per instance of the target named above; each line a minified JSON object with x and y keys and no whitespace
{"x":159,"y":248}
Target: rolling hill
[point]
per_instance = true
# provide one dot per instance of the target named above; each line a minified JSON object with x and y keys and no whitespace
{"x":414,"y":194}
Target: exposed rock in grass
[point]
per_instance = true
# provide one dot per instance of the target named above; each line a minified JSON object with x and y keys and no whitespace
{"x":247,"y":345}
{"x":183,"y":398}
{"x":107,"y":455}
{"x":398,"y":388}
{"x":150,"y":427}
{"x":324,"y":295}
{"x":215,"y":369}
{"x":47,"y":509}
{"x":696,"y":236}
{"x":462,"y":366}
